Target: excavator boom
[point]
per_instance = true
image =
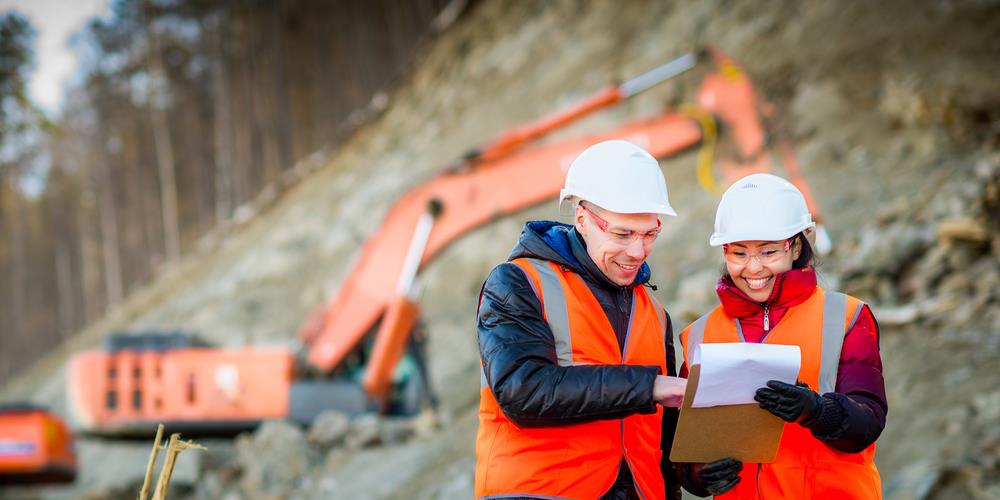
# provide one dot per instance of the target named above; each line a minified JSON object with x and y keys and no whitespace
{"x":470,"y":199}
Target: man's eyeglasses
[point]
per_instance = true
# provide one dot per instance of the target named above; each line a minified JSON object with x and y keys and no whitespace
{"x":623,"y":236}
{"x":767,"y":254}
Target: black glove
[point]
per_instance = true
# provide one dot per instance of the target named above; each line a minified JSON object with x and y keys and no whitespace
{"x":719,"y":476}
{"x":791,"y":403}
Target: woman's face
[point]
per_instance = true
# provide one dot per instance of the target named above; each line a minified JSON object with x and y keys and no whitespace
{"x":753,"y":264}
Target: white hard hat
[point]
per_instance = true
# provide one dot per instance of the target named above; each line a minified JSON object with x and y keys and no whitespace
{"x":620,"y":177}
{"x":760,"y":207}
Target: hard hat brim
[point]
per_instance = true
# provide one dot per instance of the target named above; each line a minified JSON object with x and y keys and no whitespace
{"x":777,"y":235}
{"x":568,"y":200}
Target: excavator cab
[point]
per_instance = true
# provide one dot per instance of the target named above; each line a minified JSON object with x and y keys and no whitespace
{"x":407,"y":390}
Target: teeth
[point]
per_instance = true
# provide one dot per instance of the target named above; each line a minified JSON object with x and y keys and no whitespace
{"x":757,"y":284}
{"x":627,"y":268}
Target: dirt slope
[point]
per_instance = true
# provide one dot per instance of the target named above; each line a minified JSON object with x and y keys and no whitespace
{"x":894,"y":110}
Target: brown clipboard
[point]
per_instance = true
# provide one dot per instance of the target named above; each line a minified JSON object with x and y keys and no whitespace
{"x":745,"y":432}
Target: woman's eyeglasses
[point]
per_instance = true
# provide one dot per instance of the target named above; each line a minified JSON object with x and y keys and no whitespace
{"x":766,"y":254}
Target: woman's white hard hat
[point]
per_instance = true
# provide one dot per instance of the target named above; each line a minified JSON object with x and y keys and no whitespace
{"x":618,"y":176}
{"x":760,"y":207}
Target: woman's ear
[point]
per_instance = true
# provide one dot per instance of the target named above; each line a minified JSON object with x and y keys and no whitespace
{"x":796,"y":248}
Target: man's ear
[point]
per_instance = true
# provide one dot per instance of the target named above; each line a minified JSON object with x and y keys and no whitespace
{"x":578,"y":216}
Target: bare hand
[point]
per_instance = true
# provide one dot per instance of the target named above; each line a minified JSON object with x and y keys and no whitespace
{"x":669,"y":391}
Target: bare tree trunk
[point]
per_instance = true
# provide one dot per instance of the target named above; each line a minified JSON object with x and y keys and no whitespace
{"x":109,"y":235}
{"x":223,"y":146}
{"x":18,"y":261}
{"x":164,"y":152}
{"x":283,"y":122}
{"x":62,"y":234}
{"x":90,"y":253}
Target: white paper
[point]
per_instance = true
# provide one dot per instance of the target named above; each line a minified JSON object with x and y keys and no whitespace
{"x":732,"y":372}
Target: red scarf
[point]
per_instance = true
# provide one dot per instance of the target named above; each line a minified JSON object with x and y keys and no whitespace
{"x":790,"y":288}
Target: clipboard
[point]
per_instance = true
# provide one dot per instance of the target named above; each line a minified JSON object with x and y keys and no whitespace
{"x":745,"y":432}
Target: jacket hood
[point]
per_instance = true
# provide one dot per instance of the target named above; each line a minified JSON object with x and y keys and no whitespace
{"x":560,"y":243}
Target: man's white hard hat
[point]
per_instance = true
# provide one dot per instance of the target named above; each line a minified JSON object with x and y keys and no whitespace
{"x":761,"y":207}
{"x":618,"y":176}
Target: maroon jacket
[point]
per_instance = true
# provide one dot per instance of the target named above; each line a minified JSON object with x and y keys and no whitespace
{"x":854,"y":415}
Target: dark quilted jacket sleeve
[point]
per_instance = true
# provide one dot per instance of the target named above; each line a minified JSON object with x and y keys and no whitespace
{"x":519,"y":361}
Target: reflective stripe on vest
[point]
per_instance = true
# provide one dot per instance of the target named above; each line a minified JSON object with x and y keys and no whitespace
{"x":556,"y":314}
{"x":578,"y":460}
{"x":805,"y":467}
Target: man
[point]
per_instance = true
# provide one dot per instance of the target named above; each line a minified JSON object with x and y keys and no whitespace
{"x":577,"y":355}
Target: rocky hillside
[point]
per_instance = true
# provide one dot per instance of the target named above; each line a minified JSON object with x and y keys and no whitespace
{"x":894,"y":111}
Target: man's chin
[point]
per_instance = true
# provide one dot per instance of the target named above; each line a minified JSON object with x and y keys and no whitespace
{"x":623,"y":279}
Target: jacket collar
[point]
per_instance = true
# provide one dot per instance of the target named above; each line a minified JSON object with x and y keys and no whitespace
{"x":790,"y":288}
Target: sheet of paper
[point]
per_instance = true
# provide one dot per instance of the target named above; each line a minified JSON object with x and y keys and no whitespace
{"x":732,"y":372}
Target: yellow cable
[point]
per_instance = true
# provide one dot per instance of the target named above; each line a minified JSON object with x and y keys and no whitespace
{"x":704,"y":170}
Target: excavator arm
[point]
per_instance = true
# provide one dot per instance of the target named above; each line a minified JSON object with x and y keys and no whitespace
{"x":469,"y":199}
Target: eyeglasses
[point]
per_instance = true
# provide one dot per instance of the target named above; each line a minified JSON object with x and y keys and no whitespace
{"x":623,"y":236}
{"x":768,"y":254}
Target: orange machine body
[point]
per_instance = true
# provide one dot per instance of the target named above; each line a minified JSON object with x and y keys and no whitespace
{"x":194,"y":389}
{"x":35,"y":447}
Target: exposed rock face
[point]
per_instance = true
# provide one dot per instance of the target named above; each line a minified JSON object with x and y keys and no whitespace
{"x":273,"y":460}
{"x":329,"y":429}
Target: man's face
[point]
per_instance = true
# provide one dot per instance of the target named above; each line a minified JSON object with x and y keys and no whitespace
{"x":621,"y":245}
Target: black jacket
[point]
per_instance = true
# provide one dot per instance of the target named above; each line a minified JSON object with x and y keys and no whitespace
{"x":518,"y":348}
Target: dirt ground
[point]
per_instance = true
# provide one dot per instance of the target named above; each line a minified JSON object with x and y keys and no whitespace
{"x":894,"y":112}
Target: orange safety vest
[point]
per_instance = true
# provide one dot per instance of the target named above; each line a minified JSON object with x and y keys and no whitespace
{"x":805,"y":467}
{"x":580,"y":460}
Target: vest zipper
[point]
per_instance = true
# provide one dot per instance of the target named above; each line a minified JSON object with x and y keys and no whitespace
{"x":767,"y":318}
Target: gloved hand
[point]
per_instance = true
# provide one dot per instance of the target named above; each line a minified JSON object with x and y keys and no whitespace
{"x":719,"y":476}
{"x":791,"y":403}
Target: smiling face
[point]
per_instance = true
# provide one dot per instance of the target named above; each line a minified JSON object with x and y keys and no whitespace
{"x":753,"y":265}
{"x":619,"y":248}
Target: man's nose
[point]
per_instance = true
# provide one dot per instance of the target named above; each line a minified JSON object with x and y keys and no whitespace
{"x":636,"y":249}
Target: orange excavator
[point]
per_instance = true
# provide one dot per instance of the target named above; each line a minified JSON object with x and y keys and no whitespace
{"x":36,"y":446}
{"x":362,"y":350}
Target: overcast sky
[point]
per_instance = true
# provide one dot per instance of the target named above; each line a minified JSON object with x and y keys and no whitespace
{"x":55,"y":63}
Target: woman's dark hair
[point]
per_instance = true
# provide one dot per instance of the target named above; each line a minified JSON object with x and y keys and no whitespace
{"x":806,"y":256}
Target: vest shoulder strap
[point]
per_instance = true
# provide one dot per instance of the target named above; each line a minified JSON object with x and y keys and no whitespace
{"x":695,"y":337}
{"x":836,"y":324}
{"x":547,"y":283}
{"x":660,"y":311}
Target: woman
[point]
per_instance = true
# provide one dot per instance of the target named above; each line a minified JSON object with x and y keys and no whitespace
{"x":768,"y":294}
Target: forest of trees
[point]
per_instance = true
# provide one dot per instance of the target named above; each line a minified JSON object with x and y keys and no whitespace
{"x":187,"y":109}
